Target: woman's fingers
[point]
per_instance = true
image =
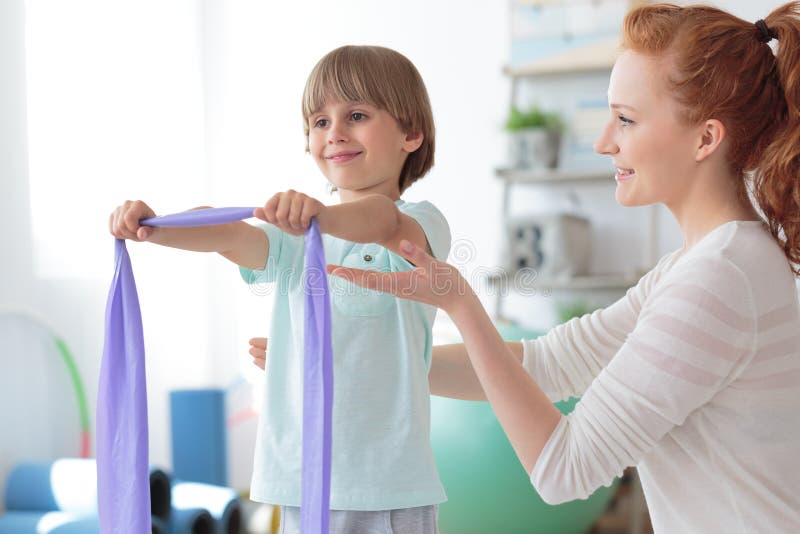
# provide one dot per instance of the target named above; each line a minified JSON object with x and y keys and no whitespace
{"x":432,"y":282}
{"x":401,"y":284}
{"x":416,"y":255}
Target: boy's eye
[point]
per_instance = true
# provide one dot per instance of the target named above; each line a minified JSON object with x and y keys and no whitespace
{"x":321,"y":123}
{"x":357,"y":116}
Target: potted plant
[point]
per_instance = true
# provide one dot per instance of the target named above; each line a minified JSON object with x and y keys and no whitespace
{"x":535,"y":136}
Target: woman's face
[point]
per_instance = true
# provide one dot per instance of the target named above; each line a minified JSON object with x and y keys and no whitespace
{"x":652,"y":150}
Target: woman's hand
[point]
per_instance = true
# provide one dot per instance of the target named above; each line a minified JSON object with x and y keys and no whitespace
{"x":433,"y":282}
{"x":124,"y":221}
{"x":258,"y":350}
{"x":290,"y":211}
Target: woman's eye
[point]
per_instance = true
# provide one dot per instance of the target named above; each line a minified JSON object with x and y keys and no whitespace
{"x":624,"y":120}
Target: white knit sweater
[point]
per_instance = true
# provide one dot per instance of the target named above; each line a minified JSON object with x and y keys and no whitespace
{"x":694,"y":378}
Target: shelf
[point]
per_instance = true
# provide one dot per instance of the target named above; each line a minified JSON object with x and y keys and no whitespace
{"x":522,"y":176}
{"x":598,"y":56}
{"x":594,"y":281}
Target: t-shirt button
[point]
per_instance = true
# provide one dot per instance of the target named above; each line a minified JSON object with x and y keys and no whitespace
{"x":367,"y":257}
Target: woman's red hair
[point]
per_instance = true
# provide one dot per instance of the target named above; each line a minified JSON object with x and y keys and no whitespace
{"x":721,"y":67}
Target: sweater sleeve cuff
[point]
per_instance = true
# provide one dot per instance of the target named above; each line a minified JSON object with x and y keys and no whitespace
{"x":529,"y":355}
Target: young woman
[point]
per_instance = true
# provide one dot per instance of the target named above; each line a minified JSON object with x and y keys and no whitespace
{"x":694,"y":376}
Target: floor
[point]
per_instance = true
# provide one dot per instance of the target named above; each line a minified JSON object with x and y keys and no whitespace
{"x":628,"y":511}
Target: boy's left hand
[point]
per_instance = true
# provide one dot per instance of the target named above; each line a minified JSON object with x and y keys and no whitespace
{"x":258,"y":350}
{"x":290,"y":211}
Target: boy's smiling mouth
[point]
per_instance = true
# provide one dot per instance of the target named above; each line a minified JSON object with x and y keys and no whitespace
{"x":343,"y":156}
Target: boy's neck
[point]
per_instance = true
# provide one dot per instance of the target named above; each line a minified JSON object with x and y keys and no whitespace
{"x":349,"y":195}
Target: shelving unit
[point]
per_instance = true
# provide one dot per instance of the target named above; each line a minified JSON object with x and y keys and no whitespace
{"x":593,"y":59}
{"x":555,"y":178}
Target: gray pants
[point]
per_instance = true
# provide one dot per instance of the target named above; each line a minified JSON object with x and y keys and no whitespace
{"x":419,"y":520}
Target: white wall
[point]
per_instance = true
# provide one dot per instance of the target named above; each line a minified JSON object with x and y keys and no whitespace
{"x":16,"y":280}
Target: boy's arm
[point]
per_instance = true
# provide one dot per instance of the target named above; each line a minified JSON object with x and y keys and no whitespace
{"x":451,"y":374}
{"x":239,"y":242}
{"x":372,"y":219}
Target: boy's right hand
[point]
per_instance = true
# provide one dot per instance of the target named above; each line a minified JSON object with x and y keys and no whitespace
{"x":291,"y":211}
{"x":258,"y":350}
{"x":124,"y":221}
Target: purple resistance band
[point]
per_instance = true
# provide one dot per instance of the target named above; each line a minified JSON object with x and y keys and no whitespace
{"x":123,"y":488}
{"x":317,"y":389}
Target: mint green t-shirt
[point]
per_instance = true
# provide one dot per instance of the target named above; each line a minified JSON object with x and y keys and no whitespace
{"x":381,"y":452}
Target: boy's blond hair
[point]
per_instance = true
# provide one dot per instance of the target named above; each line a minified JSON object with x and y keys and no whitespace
{"x":383,"y":78}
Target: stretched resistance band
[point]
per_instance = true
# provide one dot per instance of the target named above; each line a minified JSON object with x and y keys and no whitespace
{"x":123,"y":488}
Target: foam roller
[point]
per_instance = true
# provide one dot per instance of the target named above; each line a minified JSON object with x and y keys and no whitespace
{"x":48,"y":523}
{"x":191,"y":521}
{"x":70,"y":485}
{"x":66,"y":485}
{"x":222,"y":503}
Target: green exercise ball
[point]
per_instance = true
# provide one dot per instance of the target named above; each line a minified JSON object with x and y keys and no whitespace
{"x":487,"y":488}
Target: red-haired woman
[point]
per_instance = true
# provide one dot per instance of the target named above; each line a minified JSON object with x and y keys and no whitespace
{"x":694,"y":376}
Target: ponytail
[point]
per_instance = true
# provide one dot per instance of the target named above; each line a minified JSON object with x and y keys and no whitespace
{"x":776,"y":179}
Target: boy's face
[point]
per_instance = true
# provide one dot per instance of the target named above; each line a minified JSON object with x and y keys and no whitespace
{"x":359,"y":148}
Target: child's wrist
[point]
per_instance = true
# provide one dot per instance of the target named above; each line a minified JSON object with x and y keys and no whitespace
{"x":323,"y":219}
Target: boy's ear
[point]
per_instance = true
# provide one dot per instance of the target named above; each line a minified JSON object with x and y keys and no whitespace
{"x":413,"y":141}
{"x":712,"y":134}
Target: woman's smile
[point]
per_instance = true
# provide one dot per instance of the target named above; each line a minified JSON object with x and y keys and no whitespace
{"x":623,"y":175}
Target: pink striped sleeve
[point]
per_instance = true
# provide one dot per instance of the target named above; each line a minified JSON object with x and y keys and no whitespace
{"x":693,"y":336}
{"x":566,"y":360}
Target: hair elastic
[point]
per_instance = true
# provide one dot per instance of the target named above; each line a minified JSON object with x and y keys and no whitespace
{"x":766,"y":33}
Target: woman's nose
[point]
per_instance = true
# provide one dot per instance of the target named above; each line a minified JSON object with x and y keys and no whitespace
{"x":605,"y":143}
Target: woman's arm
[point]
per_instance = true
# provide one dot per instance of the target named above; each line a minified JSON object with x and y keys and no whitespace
{"x":695,"y":332}
{"x":524,"y":411}
{"x":527,"y":416}
{"x":452,"y":375}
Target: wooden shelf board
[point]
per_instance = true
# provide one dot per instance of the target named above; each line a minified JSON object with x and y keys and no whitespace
{"x":594,"y":281}
{"x":598,"y":56}
{"x":553,"y":176}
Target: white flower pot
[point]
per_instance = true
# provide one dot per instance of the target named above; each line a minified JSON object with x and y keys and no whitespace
{"x":536,"y":148}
